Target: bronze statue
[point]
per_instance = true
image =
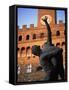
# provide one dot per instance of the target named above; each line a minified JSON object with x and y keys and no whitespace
{"x":51,"y":58}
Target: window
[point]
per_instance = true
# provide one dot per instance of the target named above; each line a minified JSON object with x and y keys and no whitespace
{"x":57,"y":33}
{"x":29,"y":68}
{"x":17,"y":49}
{"x":63,"y":47}
{"x":28,"y":51}
{"x":63,"y":43}
{"x":58,"y":44}
{"x":33,"y":56}
{"x":27,"y":37}
{"x":22,"y":51}
{"x":28,"y":58}
{"x":18,"y":52}
{"x":18,"y":69}
{"x":41,"y":35}
{"x":20,"y":38}
{"x":34,"y":36}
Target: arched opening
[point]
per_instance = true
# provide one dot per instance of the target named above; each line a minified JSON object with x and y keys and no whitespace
{"x":58,"y":44}
{"x":17,"y":49}
{"x":57,"y":33}
{"x":34,"y":36}
{"x":28,"y":58}
{"x":28,"y":51}
{"x":63,"y":46}
{"x":23,"y":51}
{"x":42,"y":35}
{"x":63,"y":43}
{"x":27,"y":37}
{"x":18,"y":52}
{"x":34,"y":56}
{"x":20,"y":38}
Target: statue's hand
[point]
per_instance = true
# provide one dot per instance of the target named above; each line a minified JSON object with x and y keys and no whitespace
{"x":45,"y":19}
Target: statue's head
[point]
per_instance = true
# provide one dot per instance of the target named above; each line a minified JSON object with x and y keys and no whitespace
{"x":36,"y":50}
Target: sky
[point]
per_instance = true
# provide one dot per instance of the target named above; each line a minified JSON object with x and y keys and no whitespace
{"x":60,"y":15}
{"x":27,"y":16}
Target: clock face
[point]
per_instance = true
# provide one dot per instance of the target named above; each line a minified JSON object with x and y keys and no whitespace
{"x":48,"y":20}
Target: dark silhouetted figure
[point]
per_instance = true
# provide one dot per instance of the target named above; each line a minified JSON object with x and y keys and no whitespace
{"x":51,"y":58}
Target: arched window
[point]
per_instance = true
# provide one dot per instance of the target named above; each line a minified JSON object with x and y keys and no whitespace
{"x":17,"y":49}
{"x":22,"y":51}
{"x":42,"y":35}
{"x":57,"y":33}
{"x":34,"y":36}
{"x":58,"y":44}
{"x":28,"y":51}
{"x":27,"y":37}
{"x":28,"y":58}
{"x":63,"y":43}
{"x":18,"y":52}
{"x":20,"y":38}
{"x":33,"y":56}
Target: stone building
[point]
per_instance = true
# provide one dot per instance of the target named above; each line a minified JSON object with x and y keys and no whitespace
{"x":27,"y":37}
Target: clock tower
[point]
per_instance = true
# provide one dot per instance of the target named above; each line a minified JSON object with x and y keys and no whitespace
{"x":48,"y":13}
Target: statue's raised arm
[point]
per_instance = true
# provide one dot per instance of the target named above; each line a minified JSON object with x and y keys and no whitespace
{"x":49,"y":40}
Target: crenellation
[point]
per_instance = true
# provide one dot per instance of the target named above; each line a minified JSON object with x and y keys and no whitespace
{"x":60,"y":22}
{"x":31,"y":26}
{"x":24,"y":27}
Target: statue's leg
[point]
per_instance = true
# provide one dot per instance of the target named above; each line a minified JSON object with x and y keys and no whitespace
{"x":54,"y":70}
{"x":51,"y":76}
{"x":54,"y":75}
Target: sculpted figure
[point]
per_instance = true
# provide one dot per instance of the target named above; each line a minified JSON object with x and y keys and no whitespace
{"x":51,"y":58}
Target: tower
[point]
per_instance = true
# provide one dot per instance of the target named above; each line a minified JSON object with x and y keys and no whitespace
{"x":46,"y":12}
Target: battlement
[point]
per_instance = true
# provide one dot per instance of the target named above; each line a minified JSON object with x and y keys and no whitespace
{"x":24,"y":27}
{"x":60,"y":22}
{"x":31,"y":25}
